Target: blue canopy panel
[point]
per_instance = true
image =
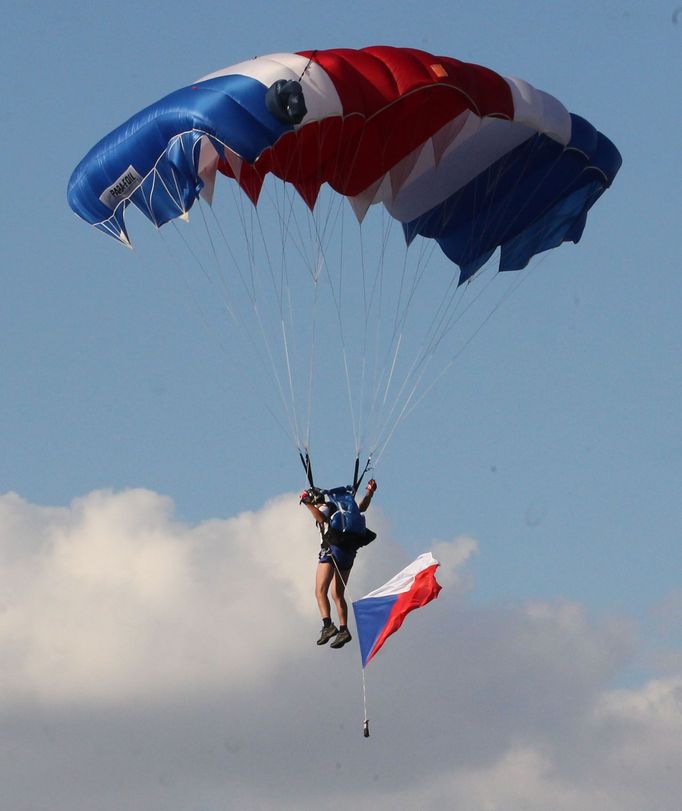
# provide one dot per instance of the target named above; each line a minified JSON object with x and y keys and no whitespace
{"x":533,"y":199}
{"x":152,"y":159}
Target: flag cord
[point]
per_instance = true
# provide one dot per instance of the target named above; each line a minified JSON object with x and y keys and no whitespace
{"x":365,"y":723}
{"x":347,"y":597}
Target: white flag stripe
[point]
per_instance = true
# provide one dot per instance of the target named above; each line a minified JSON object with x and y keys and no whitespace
{"x":402,"y":582}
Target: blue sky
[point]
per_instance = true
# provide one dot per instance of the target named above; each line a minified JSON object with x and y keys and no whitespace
{"x":554,"y":441}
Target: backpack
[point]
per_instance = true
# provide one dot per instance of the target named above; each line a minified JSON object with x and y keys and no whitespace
{"x":347,"y":527}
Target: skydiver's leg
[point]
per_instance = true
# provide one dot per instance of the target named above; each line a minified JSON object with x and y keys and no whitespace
{"x":323,"y":577}
{"x":338,"y":593}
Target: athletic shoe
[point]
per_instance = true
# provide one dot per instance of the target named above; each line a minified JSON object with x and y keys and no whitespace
{"x":328,"y":631}
{"x":341,"y":639}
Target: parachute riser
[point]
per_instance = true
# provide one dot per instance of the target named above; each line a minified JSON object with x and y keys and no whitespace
{"x":308,"y":467}
{"x":357,"y":476}
{"x":357,"y":480}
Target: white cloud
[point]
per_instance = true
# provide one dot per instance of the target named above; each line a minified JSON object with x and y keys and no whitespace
{"x":524,"y":778}
{"x":114,"y":598}
{"x":147,"y":664}
{"x":452,"y":557}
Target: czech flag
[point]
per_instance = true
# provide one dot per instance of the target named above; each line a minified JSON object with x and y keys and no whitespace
{"x":381,"y":612}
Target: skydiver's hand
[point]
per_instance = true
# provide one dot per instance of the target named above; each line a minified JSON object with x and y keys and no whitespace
{"x":371,"y":486}
{"x":306,"y":497}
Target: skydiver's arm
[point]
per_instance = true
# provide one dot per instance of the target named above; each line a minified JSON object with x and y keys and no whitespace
{"x":320,"y":519}
{"x":367,"y":498}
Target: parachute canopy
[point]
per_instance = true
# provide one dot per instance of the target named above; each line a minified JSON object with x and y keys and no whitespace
{"x":455,"y":152}
{"x":453,"y":155}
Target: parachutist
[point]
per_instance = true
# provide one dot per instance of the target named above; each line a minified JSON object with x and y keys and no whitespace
{"x":365,"y":728}
{"x":343,"y":529}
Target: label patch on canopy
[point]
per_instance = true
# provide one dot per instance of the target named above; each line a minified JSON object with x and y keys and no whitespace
{"x":121,"y":188}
